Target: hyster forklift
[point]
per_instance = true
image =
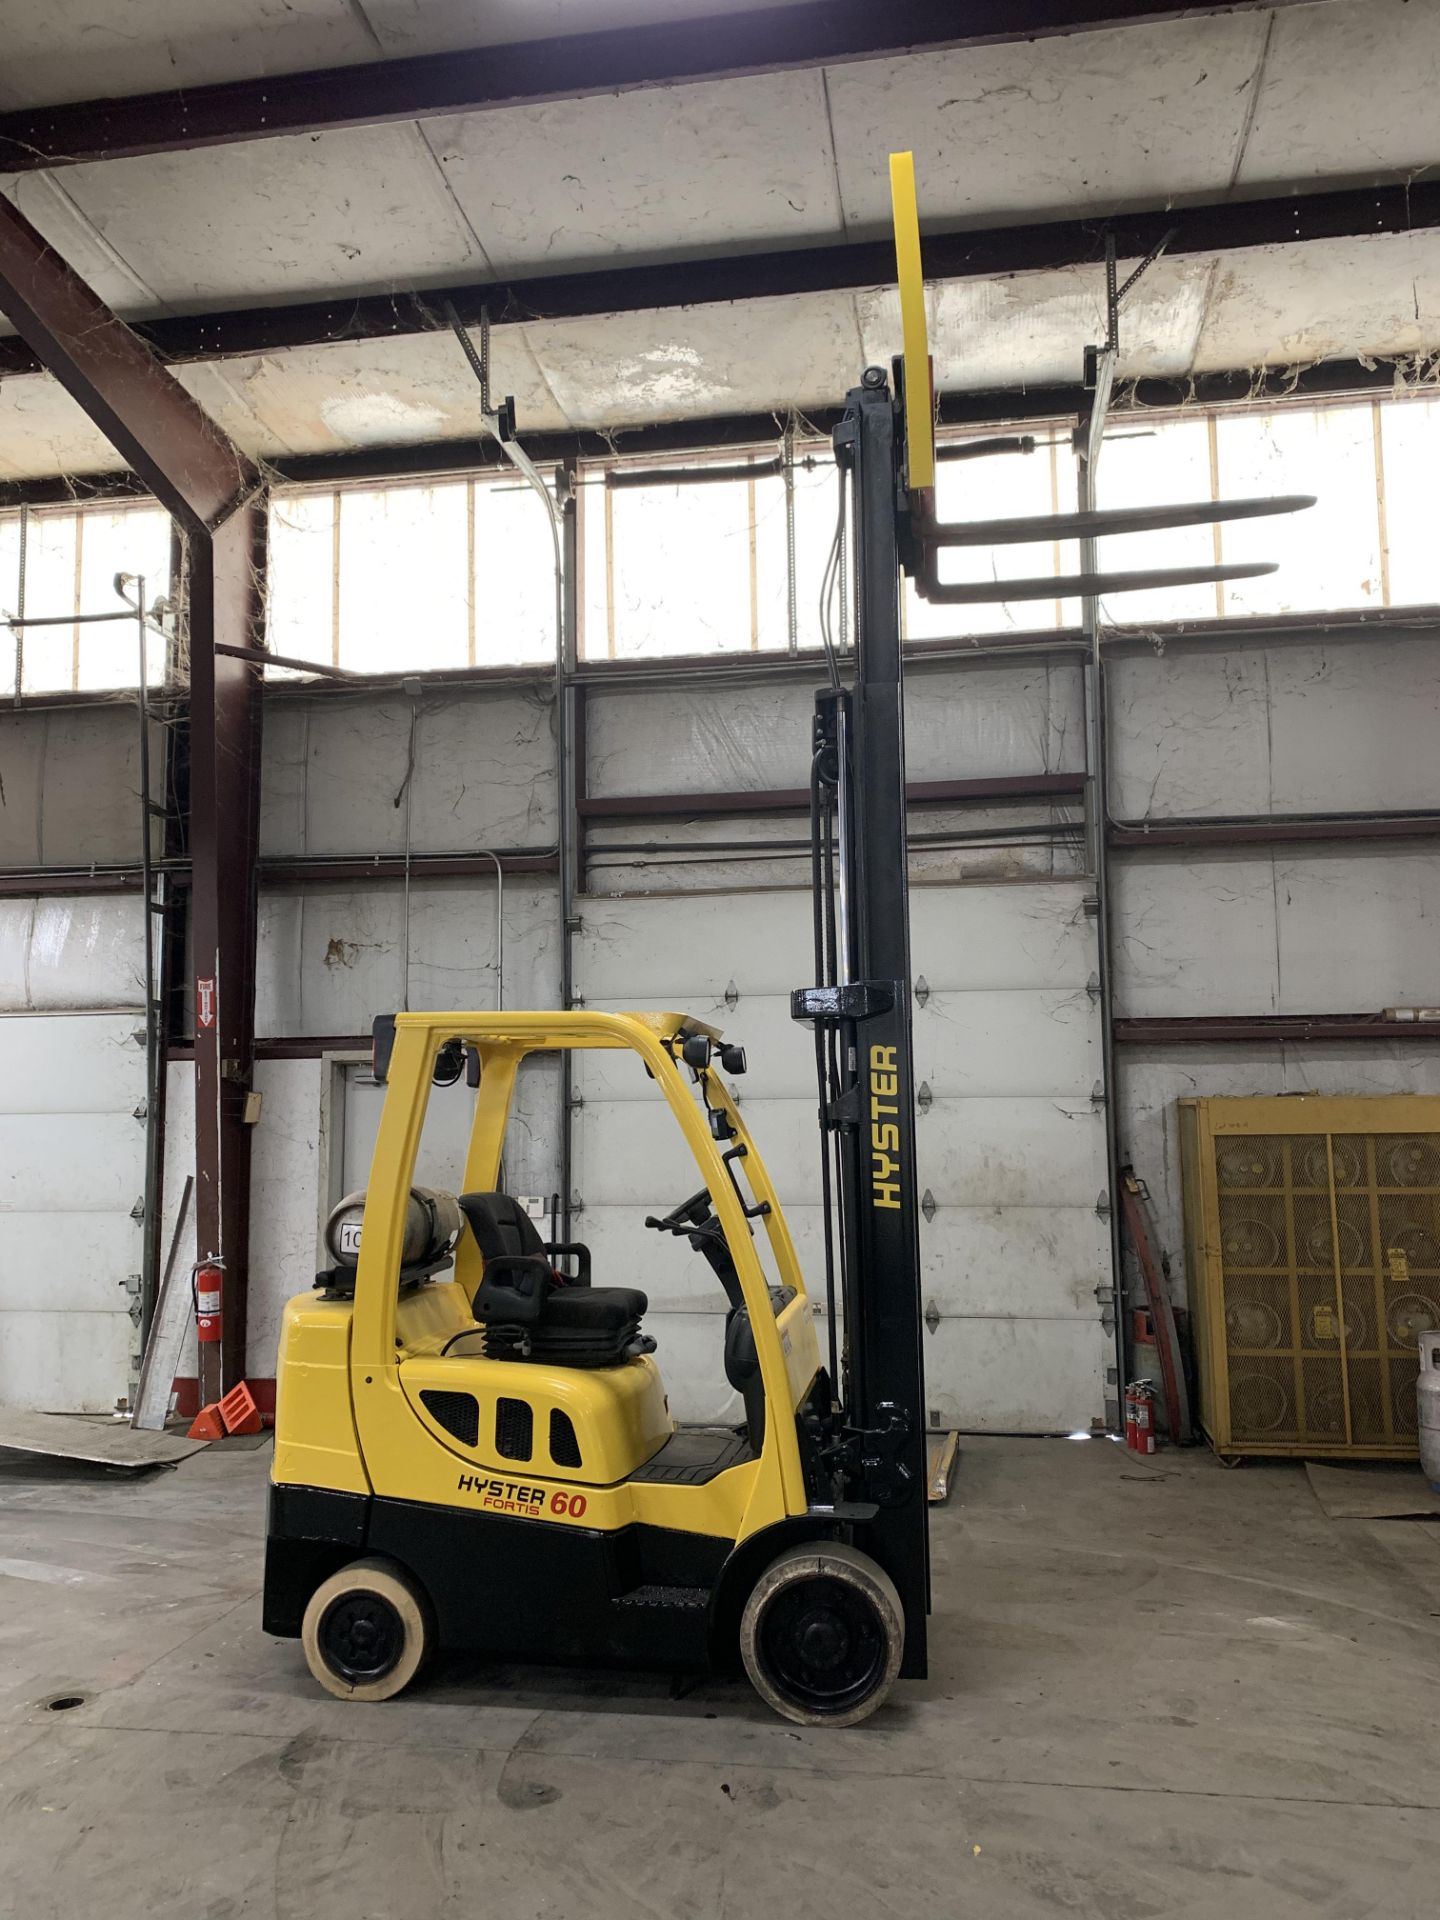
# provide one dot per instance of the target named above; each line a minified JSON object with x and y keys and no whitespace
{"x":474,"y":1448}
{"x":473,"y":1444}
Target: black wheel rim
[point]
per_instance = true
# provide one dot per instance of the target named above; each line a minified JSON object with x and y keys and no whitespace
{"x":361,"y":1637}
{"x":822,"y":1645}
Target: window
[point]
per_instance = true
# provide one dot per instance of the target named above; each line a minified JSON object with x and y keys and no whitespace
{"x":701,"y":565}
{"x":1001,"y":486}
{"x":68,"y":559}
{"x":413,"y":578}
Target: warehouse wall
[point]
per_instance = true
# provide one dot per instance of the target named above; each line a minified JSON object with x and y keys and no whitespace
{"x":1199,"y":730}
{"x":1323,"y":725}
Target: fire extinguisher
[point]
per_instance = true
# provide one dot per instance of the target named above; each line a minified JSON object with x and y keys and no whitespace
{"x":206,"y":1284}
{"x":1140,"y":1417}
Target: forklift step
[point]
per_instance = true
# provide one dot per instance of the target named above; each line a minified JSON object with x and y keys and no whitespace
{"x":693,"y":1456}
{"x":676,"y":1599}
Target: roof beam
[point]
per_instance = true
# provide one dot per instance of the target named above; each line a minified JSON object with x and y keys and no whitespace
{"x":772,"y":39}
{"x":412,"y":460}
{"x":1226,"y":226}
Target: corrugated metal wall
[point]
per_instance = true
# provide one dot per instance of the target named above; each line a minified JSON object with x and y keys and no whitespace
{"x":1007,"y":1044}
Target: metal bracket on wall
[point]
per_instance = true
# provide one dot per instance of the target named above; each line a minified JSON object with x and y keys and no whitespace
{"x":932,"y":1316}
{"x":928,"y":1205}
{"x":732,"y":996}
{"x":924,"y":1098}
{"x":922,"y":989}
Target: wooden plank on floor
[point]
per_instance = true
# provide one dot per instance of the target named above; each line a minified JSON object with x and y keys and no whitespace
{"x":107,"y":1443}
{"x":940,"y":1450}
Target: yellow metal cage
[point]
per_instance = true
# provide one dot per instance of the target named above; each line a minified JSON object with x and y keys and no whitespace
{"x":1312,"y":1231}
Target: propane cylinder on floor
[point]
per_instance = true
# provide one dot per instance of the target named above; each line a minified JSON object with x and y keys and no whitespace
{"x":1427,"y":1397}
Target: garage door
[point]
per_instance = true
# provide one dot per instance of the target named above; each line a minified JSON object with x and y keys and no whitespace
{"x":1011,"y":1148}
{"x":72,"y":1172}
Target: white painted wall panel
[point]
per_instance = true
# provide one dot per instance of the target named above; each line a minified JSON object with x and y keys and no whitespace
{"x":1195,"y":938}
{"x":72,"y":1166}
{"x":1318,"y":930}
{"x":331,"y":958}
{"x":72,"y":785}
{"x":1345,"y":725}
{"x":967,"y":722}
{"x":61,"y":952}
{"x":484,"y":774}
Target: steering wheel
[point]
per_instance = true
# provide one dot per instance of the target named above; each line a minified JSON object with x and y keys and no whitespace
{"x":685,"y":1218}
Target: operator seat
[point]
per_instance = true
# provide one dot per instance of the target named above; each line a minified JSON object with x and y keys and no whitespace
{"x":531,"y":1311}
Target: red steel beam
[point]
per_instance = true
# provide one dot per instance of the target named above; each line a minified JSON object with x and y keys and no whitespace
{"x":1209,"y":1029}
{"x":923,"y":793}
{"x":430,"y":459}
{"x":572,"y":67}
{"x":216,"y":497}
{"x":1276,"y":830}
{"x":1225,"y":226}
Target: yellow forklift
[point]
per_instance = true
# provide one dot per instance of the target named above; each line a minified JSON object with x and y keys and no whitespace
{"x":474,"y":1448}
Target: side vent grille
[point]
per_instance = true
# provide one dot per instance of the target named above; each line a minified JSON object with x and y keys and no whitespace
{"x":564,"y":1447}
{"x":514,"y":1429}
{"x":458,"y":1413}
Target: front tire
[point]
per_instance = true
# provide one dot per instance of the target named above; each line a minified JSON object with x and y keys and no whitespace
{"x":823,"y":1634}
{"x":366,"y":1631}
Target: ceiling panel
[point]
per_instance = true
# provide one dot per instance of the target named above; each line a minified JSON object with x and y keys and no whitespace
{"x":427,"y":26}
{"x":1114,"y":119}
{"x":657,"y":173}
{"x":1279,"y":305}
{"x":59,"y":50}
{"x":1032,"y":329}
{"x":748,"y":357}
{"x":359,"y":210}
{"x":1349,"y":92}
{"x":45,"y":201}
{"x":43,"y":432}
{"x":368,"y":393}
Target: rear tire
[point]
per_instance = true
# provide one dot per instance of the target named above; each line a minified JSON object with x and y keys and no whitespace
{"x":366,"y":1631}
{"x":823,"y":1634}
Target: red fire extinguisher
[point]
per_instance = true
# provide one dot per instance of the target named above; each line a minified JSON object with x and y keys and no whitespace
{"x":207,"y":1283}
{"x":1140,"y":1417}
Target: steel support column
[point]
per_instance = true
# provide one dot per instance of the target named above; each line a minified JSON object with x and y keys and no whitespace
{"x":214,"y":494}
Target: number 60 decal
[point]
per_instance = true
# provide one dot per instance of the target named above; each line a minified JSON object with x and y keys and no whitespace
{"x":572,"y":1503}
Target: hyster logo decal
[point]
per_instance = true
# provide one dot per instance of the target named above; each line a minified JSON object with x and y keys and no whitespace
{"x":884,"y":1133}
{"x":508,"y":1496}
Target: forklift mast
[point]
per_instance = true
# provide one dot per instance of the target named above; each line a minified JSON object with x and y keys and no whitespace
{"x":860,"y":1010}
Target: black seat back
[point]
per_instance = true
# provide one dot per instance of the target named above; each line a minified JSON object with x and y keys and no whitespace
{"x":500,"y":1224}
{"x":517,"y":1274}
{"x":742,"y":1361}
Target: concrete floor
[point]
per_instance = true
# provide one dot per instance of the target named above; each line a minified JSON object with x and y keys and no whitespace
{"x":1161,"y":1689}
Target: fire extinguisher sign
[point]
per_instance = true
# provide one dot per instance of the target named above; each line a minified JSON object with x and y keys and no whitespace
{"x":205,"y":1002}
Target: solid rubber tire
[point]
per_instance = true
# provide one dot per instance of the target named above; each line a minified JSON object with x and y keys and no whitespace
{"x":392,"y":1584}
{"x":823,"y":1559}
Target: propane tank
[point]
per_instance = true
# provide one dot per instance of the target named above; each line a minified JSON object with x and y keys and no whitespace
{"x":1140,"y":1417}
{"x":1427,"y":1400}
